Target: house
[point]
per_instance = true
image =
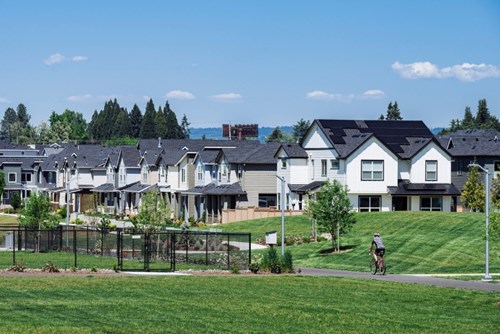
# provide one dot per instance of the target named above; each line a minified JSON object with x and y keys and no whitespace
{"x":386,"y":165}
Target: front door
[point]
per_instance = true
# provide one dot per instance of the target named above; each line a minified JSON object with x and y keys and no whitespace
{"x":400,"y":203}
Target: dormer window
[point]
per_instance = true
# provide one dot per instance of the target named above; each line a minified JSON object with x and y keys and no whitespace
{"x":283,"y":163}
{"x":111,"y":174}
{"x":200,"y":173}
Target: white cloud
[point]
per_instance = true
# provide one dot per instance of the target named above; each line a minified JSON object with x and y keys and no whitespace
{"x":80,"y":98}
{"x":54,"y":59}
{"x":227,"y":97}
{"x":320,"y":95}
{"x":373,"y":94}
{"x":180,"y":95}
{"x":3,"y":100}
{"x":79,"y":58}
{"x":463,"y":72}
{"x":58,"y":58}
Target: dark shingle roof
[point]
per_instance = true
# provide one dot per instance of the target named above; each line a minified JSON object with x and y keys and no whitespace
{"x":472,"y":143}
{"x":407,"y":188}
{"x":212,"y":189}
{"x":106,"y":187}
{"x":294,"y":150}
{"x":303,"y":188}
{"x":403,"y":138}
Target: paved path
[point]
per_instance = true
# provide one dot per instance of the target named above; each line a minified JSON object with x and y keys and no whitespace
{"x":414,"y":279}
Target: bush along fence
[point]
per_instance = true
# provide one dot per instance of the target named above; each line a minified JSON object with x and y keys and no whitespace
{"x":124,"y":249}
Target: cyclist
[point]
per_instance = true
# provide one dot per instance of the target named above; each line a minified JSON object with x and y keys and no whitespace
{"x":379,"y":248}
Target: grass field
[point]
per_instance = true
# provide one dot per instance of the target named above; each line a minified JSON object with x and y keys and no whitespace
{"x":416,"y":242}
{"x":239,"y":304}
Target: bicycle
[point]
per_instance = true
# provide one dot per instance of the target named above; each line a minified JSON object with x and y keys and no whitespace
{"x":375,"y":266}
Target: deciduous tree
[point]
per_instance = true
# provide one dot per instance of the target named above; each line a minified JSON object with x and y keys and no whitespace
{"x":332,"y":210}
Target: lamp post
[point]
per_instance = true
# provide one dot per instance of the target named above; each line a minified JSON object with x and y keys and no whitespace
{"x":283,"y":181}
{"x":487,"y":276}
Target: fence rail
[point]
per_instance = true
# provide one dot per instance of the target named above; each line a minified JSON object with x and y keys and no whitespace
{"x":165,"y":250}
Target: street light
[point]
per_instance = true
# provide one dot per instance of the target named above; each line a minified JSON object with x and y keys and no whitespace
{"x":283,"y":181}
{"x":487,"y":276}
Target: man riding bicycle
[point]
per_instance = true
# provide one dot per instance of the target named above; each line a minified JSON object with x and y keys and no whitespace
{"x":379,"y":248}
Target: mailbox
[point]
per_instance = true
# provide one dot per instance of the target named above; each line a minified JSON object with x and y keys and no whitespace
{"x":271,"y":238}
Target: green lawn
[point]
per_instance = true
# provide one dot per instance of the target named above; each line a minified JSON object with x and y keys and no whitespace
{"x":416,"y":242}
{"x":8,"y":221}
{"x":239,"y":304}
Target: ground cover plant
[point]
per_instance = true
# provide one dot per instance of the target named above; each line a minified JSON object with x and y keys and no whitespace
{"x":238,"y":304}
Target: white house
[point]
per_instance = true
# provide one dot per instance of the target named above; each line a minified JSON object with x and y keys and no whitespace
{"x":386,"y":165}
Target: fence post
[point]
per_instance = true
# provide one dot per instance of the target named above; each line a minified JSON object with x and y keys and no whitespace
{"x":118,"y":249}
{"x":173,"y":250}
{"x":249,"y":249}
{"x":206,"y":248}
{"x":14,"y":247}
{"x":87,"y":240}
{"x":74,"y":245}
{"x":228,"y":254}
{"x":19,"y":239}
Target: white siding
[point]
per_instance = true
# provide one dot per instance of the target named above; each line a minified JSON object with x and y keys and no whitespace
{"x":371,"y":150}
{"x":431,"y":152}
{"x":315,"y":138}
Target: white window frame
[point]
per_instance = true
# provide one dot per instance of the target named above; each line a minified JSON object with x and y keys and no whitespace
{"x":372,"y":170}
{"x":334,"y":164}
{"x":324,"y":167}
{"x":431,"y":170}
{"x":200,"y":173}
{"x":370,"y":207}
{"x":183,"y":175}
{"x":431,"y":207}
{"x":15,"y":177}
{"x":144,"y":173}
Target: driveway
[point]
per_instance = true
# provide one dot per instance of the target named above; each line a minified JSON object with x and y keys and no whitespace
{"x":413,"y":279}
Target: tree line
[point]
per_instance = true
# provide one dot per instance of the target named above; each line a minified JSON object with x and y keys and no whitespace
{"x":113,"y":124}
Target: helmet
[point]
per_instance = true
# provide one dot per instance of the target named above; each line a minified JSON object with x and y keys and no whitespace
{"x":376,"y":234}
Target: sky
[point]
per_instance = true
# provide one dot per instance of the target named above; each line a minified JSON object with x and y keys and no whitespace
{"x":243,"y":62}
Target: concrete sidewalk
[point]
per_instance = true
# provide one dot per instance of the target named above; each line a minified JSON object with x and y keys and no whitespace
{"x":412,"y":279}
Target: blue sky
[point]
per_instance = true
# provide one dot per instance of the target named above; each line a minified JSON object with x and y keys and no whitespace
{"x":265,"y":62}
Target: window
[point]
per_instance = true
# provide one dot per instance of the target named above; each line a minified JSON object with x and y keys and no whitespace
{"x":431,"y":203}
{"x":267,"y":200}
{"x":25,"y":177}
{"x":334,"y":164}
{"x":12,"y":177}
{"x":144,"y":174}
{"x":323,"y":167}
{"x":369,"y":203}
{"x":183,"y":175}
{"x":283,"y":163}
{"x":431,"y":170}
{"x":312,"y":164}
{"x":200,"y":173}
{"x":372,"y":170}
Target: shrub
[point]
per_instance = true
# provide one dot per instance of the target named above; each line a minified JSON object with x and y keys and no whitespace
{"x":18,"y":267}
{"x":50,"y":267}
{"x":254,"y":267}
{"x":271,"y":261}
{"x":235,"y":269}
{"x":287,"y":262}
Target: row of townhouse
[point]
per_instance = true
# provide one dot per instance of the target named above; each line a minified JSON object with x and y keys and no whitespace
{"x":386,"y":165}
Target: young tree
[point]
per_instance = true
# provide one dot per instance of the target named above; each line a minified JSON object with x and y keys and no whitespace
{"x":299,"y":130}
{"x":332,"y":210}
{"x":35,"y":215}
{"x":153,"y":212}
{"x":473,"y":192}
{"x":2,"y":185}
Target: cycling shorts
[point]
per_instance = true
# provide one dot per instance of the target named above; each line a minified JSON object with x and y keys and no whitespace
{"x":380,"y":251}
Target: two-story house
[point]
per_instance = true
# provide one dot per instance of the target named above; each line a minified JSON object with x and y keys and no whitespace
{"x":386,"y":165}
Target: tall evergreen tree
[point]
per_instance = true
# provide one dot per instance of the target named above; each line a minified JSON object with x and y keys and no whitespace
{"x":122,"y":127}
{"x":186,"y":132}
{"x":160,"y":124}
{"x":469,"y":121}
{"x":92,"y":128}
{"x":22,"y":115}
{"x":300,"y":129}
{"x":9,"y":119}
{"x":135,"y":121}
{"x":148,"y":122}
{"x":393,"y":112}
{"x":174,"y":130}
{"x":473,"y":192}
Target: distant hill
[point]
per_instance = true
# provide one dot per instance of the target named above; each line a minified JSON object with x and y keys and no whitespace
{"x":216,"y":133}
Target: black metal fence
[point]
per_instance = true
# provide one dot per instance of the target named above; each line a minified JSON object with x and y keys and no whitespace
{"x":127,"y":250}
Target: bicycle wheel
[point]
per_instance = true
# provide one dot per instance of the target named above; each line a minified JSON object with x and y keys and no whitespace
{"x":384,"y":267}
{"x":373,"y":267}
